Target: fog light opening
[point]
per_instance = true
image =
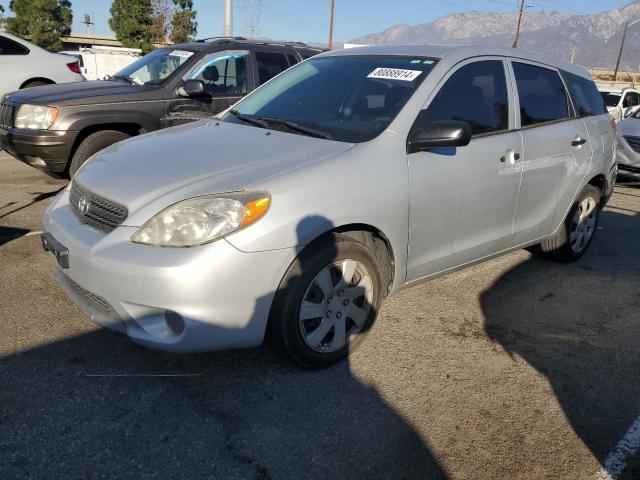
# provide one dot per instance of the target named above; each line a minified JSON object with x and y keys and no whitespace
{"x":174,"y":322}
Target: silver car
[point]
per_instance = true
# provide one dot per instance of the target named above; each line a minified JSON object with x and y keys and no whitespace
{"x":629,"y":145}
{"x":344,"y":179}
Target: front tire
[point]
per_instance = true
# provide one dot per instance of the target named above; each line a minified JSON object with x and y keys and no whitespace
{"x":93,"y":144}
{"x":326,"y":302}
{"x":576,"y":233}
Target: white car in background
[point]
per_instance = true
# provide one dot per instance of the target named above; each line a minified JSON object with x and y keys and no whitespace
{"x":24,"y":65}
{"x":98,"y":62}
{"x":621,"y":102}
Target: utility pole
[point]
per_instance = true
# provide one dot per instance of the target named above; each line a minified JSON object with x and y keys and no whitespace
{"x":515,"y":42}
{"x":228,"y":19}
{"x":331,"y":26}
{"x":624,"y":34}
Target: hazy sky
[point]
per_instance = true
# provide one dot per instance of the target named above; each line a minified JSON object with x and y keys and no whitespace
{"x":307,"y":20}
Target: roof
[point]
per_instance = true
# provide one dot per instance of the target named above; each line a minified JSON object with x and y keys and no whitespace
{"x":217,"y":43}
{"x":456,"y":53}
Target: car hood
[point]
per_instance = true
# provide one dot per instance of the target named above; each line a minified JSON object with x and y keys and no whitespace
{"x":82,"y":93}
{"x":151,"y":172}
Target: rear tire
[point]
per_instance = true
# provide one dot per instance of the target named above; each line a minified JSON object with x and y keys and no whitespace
{"x":576,"y":233}
{"x":36,"y":83}
{"x":93,"y":144}
{"x":317,"y":317}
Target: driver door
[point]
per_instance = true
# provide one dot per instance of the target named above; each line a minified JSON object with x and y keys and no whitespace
{"x":226,"y":79}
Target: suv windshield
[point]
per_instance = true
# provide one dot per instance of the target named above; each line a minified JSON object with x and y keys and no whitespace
{"x":155,"y":67}
{"x":344,"y":98}
{"x":611,"y":99}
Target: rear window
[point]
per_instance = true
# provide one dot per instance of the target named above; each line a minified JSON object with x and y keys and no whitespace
{"x":585,"y":95}
{"x":611,"y":99}
{"x":542,"y":94}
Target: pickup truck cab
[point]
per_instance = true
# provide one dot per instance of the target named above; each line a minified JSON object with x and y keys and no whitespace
{"x":57,"y":128}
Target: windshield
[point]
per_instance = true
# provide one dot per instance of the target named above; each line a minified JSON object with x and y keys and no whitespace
{"x":344,"y":98}
{"x":611,"y":99}
{"x":154,"y":67}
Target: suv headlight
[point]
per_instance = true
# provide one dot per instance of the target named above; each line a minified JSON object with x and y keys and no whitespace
{"x":35,"y":117}
{"x":204,"y":219}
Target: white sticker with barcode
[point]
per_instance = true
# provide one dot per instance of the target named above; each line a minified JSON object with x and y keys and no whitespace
{"x":395,"y":74}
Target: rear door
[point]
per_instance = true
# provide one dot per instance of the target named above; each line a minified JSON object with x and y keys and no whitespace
{"x":556,"y":150}
{"x":463,"y":200}
{"x":226,"y":77}
{"x":271,"y":63}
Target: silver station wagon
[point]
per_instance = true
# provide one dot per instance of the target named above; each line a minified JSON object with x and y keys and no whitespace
{"x":342,"y":180}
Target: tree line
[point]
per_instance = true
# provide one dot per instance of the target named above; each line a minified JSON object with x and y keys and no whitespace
{"x":136,"y":23}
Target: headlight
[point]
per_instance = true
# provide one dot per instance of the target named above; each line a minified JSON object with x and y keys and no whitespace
{"x":35,"y":117}
{"x":201,"y":220}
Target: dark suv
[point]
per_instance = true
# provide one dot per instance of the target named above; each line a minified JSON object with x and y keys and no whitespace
{"x":58,"y":127}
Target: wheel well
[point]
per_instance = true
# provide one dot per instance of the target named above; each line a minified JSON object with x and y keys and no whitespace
{"x":600,"y":182}
{"x":37,"y":79}
{"x":379,"y":243}
{"x":130,"y":129}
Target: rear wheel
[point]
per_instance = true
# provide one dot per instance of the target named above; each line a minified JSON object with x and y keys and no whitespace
{"x":576,"y":233}
{"x":36,"y":83}
{"x":93,"y":144}
{"x":326,"y":302}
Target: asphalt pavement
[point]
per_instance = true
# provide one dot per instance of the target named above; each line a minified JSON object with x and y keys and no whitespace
{"x":515,"y":368}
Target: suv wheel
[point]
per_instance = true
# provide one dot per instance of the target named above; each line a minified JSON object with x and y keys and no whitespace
{"x":326,"y":302}
{"x":575,"y":234}
{"x":93,"y":144}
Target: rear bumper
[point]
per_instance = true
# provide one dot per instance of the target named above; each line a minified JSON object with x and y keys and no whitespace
{"x":44,"y":149}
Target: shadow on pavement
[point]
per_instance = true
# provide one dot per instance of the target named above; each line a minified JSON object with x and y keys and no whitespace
{"x":578,"y":325}
{"x":39,"y":196}
{"x":11,"y":233}
{"x":96,"y":406}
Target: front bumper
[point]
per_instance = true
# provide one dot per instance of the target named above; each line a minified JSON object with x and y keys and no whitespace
{"x":176,"y":299}
{"x":627,"y":157}
{"x":44,"y":149}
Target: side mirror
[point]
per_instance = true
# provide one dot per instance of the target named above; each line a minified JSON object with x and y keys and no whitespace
{"x":628,"y":113}
{"x":191,"y":88}
{"x":441,"y":133}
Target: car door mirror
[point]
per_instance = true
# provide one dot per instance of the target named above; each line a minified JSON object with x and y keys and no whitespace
{"x":628,"y":112}
{"x":191,"y":88}
{"x":441,"y":133}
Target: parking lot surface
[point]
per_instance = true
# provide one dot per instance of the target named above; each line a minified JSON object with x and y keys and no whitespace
{"x":515,"y":368}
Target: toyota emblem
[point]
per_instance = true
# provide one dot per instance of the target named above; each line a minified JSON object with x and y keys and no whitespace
{"x":83,"y":205}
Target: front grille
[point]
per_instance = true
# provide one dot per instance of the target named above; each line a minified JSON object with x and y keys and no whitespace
{"x":634,"y":142}
{"x":95,"y":210}
{"x":93,"y":299}
{"x":6,"y":115}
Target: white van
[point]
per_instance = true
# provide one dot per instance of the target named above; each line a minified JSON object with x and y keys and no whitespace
{"x":97,"y":62}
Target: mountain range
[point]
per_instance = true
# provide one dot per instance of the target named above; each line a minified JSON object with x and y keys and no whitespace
{"x":596,"y":38}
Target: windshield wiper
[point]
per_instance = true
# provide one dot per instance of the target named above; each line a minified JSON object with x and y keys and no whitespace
{"x":247,"y":119}
{"x":131,"y":80}
{"x":296,"y":127}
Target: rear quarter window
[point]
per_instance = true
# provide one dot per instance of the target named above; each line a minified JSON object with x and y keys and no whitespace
{"x":9,"y":47}
{"x":586,"y":97}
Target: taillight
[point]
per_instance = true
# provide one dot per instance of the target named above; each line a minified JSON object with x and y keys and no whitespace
{"x":74,"y":67}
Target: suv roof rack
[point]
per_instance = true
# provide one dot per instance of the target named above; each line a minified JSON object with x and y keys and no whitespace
{"x":256,"y":42}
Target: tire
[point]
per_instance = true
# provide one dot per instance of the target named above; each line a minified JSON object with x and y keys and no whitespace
{"x":36,"y":83}
{"x":309,"y":335}
{"x":576,"y":233}
{"x":93,"y":144}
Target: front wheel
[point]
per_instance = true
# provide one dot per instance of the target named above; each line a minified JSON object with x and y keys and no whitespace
{"x":93,"y":144}
{"x":326,"y":302}
{"x":575,"y":234}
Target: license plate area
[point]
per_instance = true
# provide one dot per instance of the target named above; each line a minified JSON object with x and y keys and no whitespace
{"x":50,"y":244}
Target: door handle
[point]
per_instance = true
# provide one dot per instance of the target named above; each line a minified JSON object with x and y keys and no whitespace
{"x":511,"y":156}
{"x":578,"y":141}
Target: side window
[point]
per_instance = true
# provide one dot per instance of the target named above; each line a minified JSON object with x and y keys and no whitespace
{"x":9,"y":47}
{"x":635,"y":99}
{"x":224,"y":75}
{"x":270,"y":65}
{"x":542,"y":94}
{"x":586,"y":97}
{"x":477,"y":94}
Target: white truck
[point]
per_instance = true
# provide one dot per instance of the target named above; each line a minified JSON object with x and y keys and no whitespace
{"x":97,"y":62}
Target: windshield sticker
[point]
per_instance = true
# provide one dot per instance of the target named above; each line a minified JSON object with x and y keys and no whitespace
{"x":181,"y":53}
{"x":395,"y":74}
